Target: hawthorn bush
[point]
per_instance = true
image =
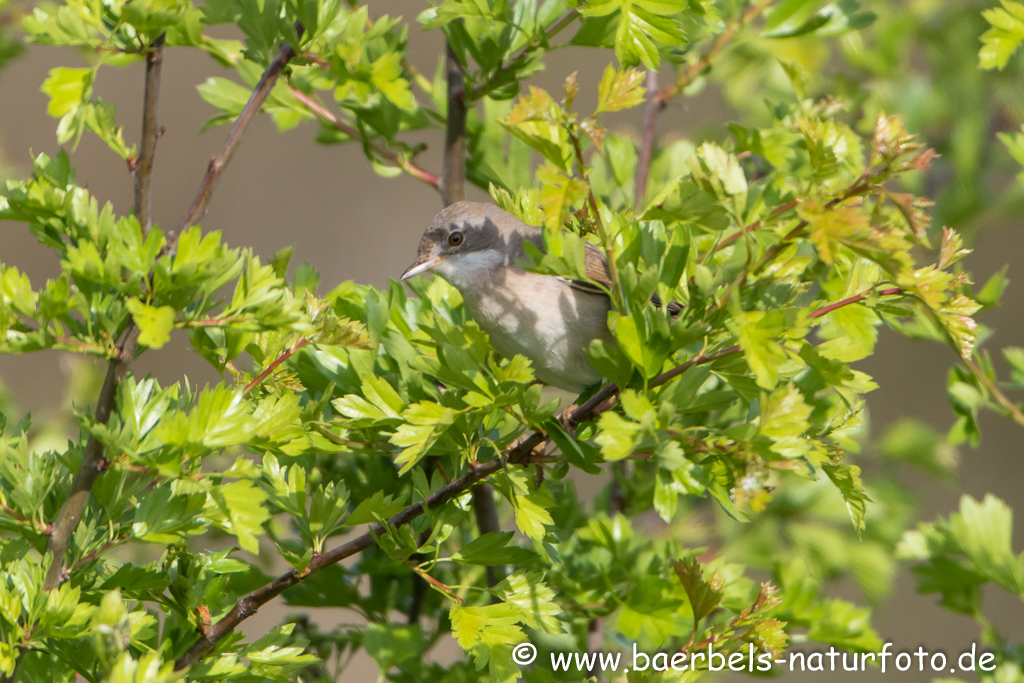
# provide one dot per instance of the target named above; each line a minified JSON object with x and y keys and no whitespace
{"x":378,"y":427}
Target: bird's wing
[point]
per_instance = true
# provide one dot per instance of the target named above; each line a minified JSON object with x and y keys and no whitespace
{"x":599,"y":280}
{"x":597,"y":272}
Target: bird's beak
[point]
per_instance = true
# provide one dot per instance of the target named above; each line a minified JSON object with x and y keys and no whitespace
{"x":421,"y":267}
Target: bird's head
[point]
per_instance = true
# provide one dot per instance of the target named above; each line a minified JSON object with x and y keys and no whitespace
{"x":466,"y":239}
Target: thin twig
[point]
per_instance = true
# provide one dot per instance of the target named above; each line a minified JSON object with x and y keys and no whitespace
{"x":500,"y":75}
{"x":143,"y":168}
{"x":327,"y":116}
{"x":277,"y":361}
{"x":643,"y":162}
{"x":220,"y":160}
{"x":706,"y":59}
{"x":856,"y":298}
{"x":453,"y":181}
{"x":606,"y":241}
{"x":89,"y":469}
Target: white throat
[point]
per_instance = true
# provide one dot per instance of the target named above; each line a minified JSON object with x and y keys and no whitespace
{"x":463,"y":270}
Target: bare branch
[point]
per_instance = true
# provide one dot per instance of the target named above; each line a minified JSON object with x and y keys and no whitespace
{"x":91,"y":466}
{"x":327,"y":116}
{"x":453,"y":181}
{"x":143,"y":170}
{"x":643,"y":162}
{"x":223,"y":157}
{"x":485,"y":511}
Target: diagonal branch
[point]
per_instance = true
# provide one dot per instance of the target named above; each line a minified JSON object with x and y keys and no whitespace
{"x":327,"y":116}
{"x":219,"y":161}
{"x":143,"y":170}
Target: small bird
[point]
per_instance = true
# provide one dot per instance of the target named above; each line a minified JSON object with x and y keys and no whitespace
{"x":550,"y":320}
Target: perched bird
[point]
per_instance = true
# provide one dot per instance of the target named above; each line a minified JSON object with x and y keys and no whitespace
{"x":550,"y":320}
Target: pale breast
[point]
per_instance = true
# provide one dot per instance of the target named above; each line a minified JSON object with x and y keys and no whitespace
{"x":543,"y":318}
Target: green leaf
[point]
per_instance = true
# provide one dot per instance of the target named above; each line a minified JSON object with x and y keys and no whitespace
{"x":705,"y":594}
{"x":67,"y":88}
{"x":757,"y":332}
{"x":155,"y":324}
{"x":1002,"y":40}
{"x":492,"y":550}
{"x":241,"y":502}
{"x":847,"y":479}
{"x":620,"y":90}
{"x":377,"y":505}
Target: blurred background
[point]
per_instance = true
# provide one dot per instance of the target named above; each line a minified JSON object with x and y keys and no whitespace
{"x":918,"y":59}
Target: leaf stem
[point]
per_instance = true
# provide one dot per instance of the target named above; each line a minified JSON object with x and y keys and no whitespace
{"x":1010,"y":408}
{"x":301,"y":343}
{"x":606,"y":242}
{"x":513,"y":63}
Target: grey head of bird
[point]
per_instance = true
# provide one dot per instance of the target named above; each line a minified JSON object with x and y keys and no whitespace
{"x":467,"y":239}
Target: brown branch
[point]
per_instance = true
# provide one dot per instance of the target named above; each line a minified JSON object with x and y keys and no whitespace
{"x":856,"y":298}
{"x":301,"y":343}
{"x":327,"y":116}
{"x":219,"y":161}
{"x":90,"y":467}
{"x":513,"y":64}
{"x":485,"y":511}
{"x":776,"y":212}
{"x":453,"y":180}
{"x":643,"y":162}
{"x":519,"y":451}
{"x":143,"y":169}
{"x":708,"y":57}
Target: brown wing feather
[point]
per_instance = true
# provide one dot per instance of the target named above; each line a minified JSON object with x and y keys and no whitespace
{"x":596,"y":267}
{"x":597,"y":271}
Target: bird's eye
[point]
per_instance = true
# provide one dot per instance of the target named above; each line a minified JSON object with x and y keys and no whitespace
{"x":455,"y":238}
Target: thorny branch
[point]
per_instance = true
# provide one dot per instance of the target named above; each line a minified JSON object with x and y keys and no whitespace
{"x":330,"y":118}
{"x":223,"y":157}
